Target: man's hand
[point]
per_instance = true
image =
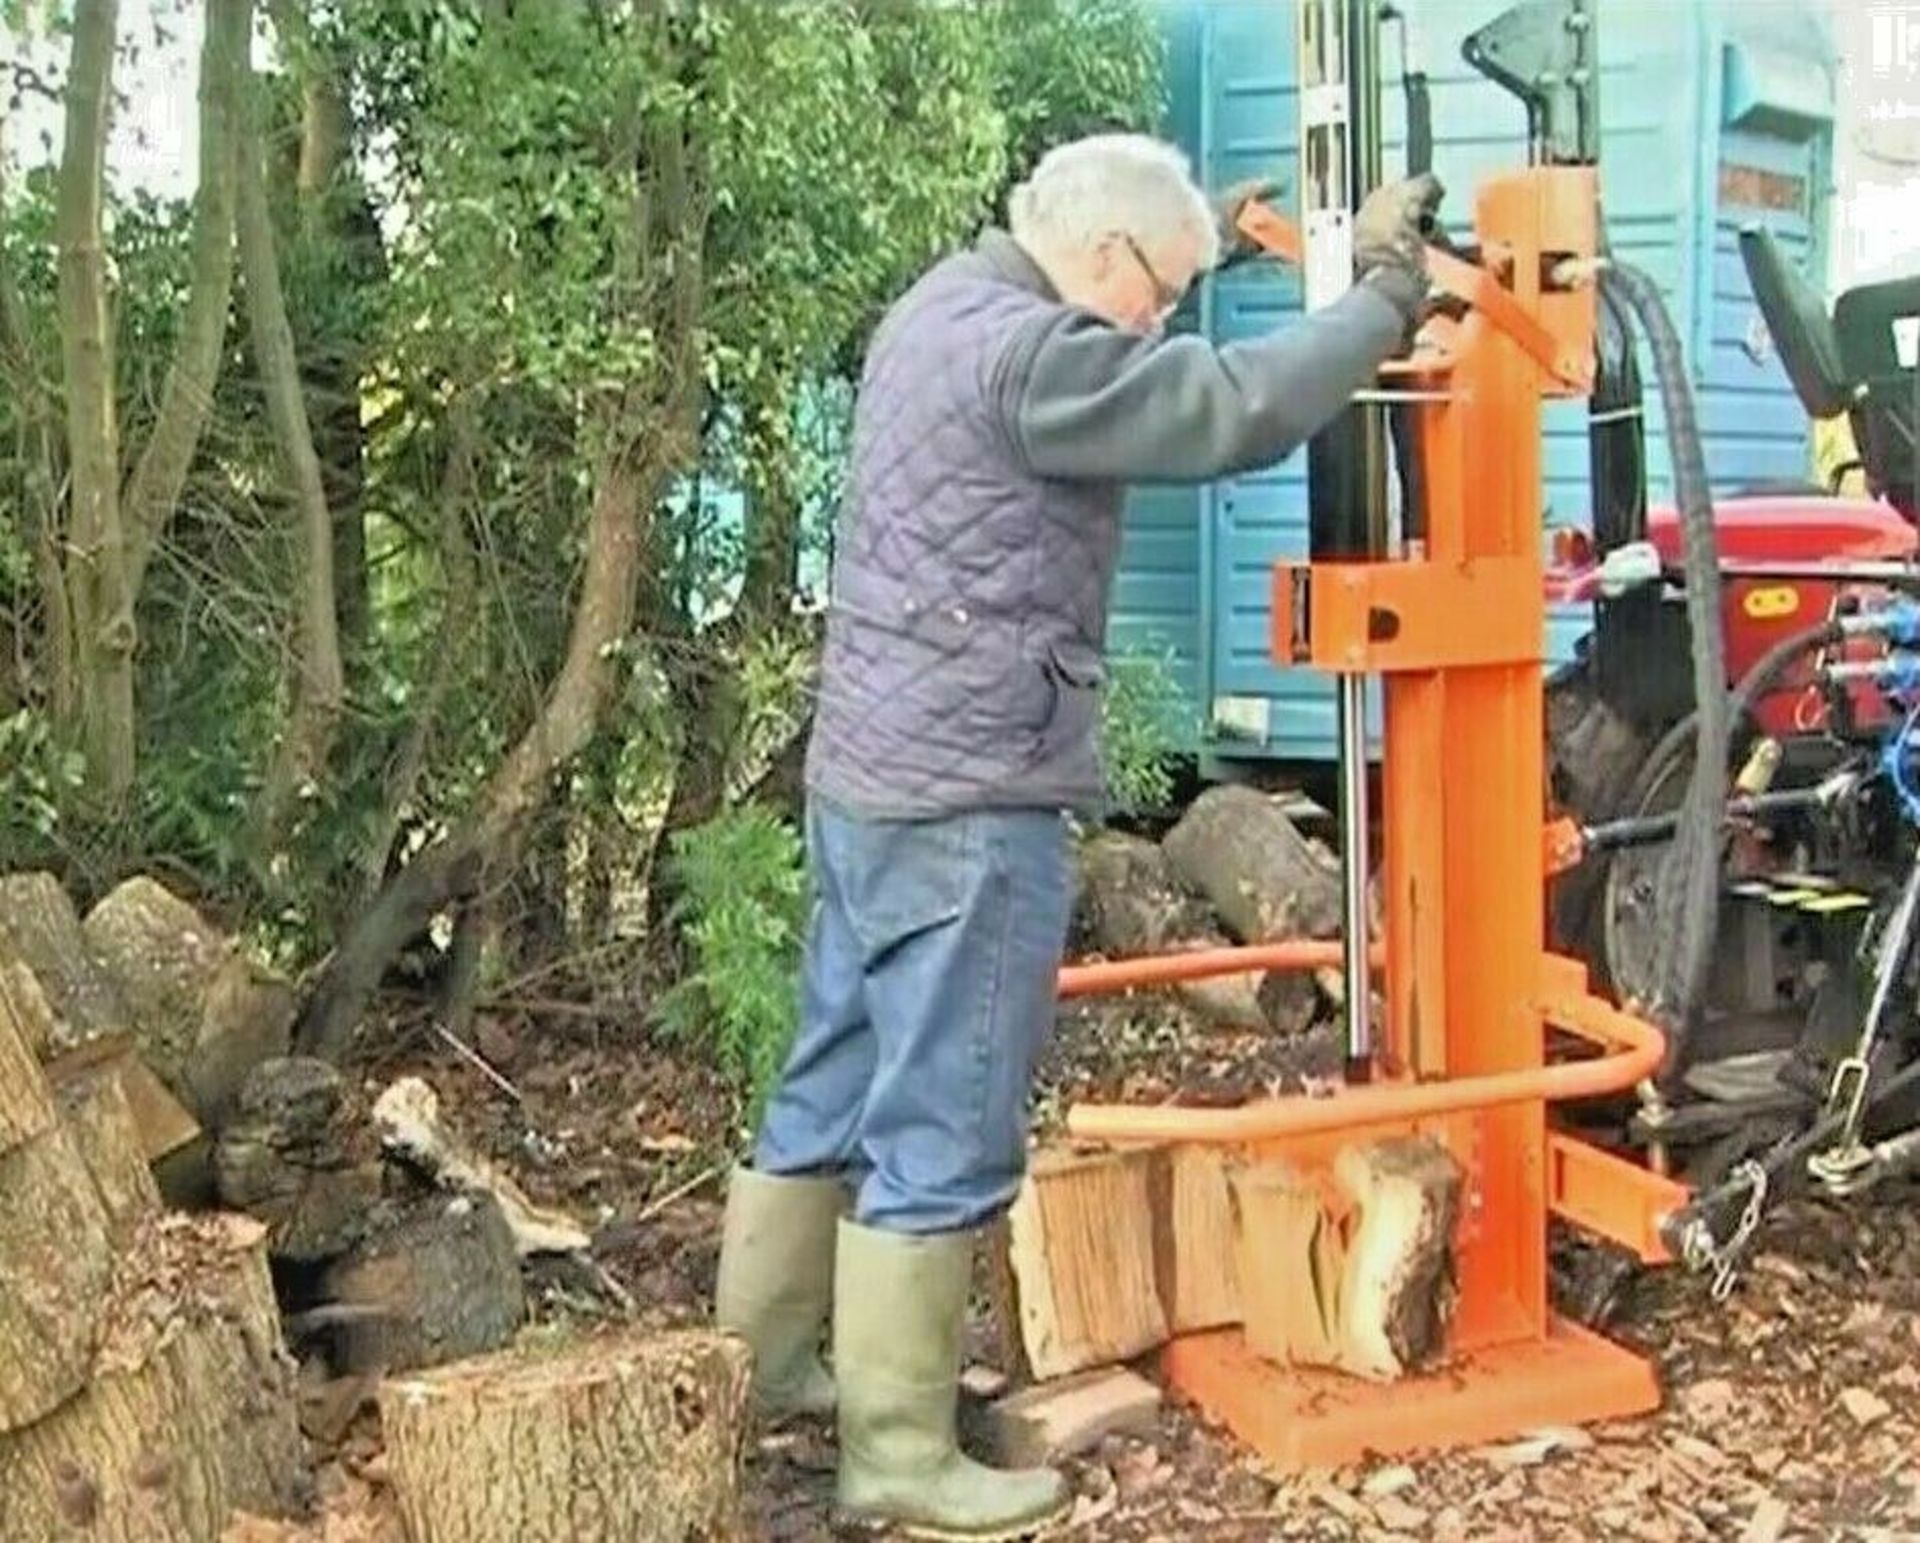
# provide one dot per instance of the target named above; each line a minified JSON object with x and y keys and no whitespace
{"x":1389,"y":238}
{"x":1235,"y":245}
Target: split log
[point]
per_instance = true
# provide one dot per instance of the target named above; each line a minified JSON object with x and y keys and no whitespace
{"x":1397,"y":1292}
{"x":407,"y":1115}
{"x":289,"y":1156}
{"x":204,"y":1013}
{"x":162,"y":1125}
{"x":40,"y":930}
{"x":1195,"y":1262}
{"x":97,"y":1112}
{"x":188,"y":1414}
{"x":1132,"y":905}
{"x":437,"y":1279}
{"x":1357,"y":1277}
{"x":1289,"y":1254}
{"x":1080,"y":1260}
{"x":1054,"y":1420}
{"x":55,"y":1260}
{"x":616,"y":1437}
{"x":1266,"y":880}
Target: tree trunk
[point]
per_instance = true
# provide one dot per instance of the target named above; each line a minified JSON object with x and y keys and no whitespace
{"x":97,"y":569}
{"x":648,"y":437}
{"x":621,"y":1438}
{"x":187,"y":398}
{"x":189,"y":1414}
{"x":319,"y":680}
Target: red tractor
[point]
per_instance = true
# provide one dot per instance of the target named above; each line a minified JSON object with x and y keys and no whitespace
{"x":1775,"y":925}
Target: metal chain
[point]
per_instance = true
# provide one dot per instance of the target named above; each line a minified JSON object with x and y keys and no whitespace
{"x":1704,"y":1252}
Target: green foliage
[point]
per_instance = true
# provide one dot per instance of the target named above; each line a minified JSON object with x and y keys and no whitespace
{"x":1064,"y":68}
{"x":742,"y":909}
{"x":485,"y":295}
{"x":1143,"y":728}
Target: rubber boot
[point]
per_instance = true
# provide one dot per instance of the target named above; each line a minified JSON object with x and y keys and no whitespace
{"x":776,"y":1285}
{"x":898,"y":1318}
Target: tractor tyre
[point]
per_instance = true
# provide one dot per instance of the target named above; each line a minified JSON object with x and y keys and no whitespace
{"x":1593,"y":756}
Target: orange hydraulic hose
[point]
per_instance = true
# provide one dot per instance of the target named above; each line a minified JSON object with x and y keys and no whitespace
{"x":1113,"y":975}
{"x":1632,"y":1051}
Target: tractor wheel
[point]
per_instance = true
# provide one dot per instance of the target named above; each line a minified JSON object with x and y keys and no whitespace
{"x":1593,"y":755}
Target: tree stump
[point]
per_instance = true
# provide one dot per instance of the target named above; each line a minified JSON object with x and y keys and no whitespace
{"x":1268,"y":882}
{"x":1080,"y":1260}
{"x":205,"y":1015}
{"x":438,"y":1278}
{"x":289,"y":1157}
{"x":616,"y":1438}
{"x":97,"y":1112}
{"x":189,"y":1412}
{"x":1132,"y":905}
{"x":40,"y":930}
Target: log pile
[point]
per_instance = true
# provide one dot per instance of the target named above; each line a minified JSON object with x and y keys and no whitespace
{"x":144,"y":1388}
{"x":1234,"y":869}
{"x":186,"y":1206}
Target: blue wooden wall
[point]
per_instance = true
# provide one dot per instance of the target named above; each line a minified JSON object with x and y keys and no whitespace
{"x":1689,"y":88}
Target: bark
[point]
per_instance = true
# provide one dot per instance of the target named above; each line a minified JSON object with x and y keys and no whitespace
{"x":336,"y":215}
{"x":319,"y":680}
{"x":289,"y":1158}
{"x":434,"y":1282}
{"x":97,"y":568}
{"x":189,"y":1413}
{"x":186,"y":400}
{"x":645,"y":437}
{"x":622,"y":1437}
{"x":55,"y":1240}
{"x":1266,"y":880}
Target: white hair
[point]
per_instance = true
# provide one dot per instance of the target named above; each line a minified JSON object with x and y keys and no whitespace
{"x":1107,"y":184}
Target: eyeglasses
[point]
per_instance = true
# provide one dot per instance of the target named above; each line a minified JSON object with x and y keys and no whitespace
{"x":1165,"y":296}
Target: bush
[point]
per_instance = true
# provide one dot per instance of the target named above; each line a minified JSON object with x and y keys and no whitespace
{"x":1141,"y":730}
{"x":742,"y":895}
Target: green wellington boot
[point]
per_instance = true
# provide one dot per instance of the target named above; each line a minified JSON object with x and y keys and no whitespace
{"x":776,"y":1285}
{"x":899,"y":1313}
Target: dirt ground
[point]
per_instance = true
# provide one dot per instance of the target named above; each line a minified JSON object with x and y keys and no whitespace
{"x":1791,"y":1408}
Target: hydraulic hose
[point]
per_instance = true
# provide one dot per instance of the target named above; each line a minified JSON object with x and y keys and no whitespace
{"x":1690,"y":878}
{"x":1760,"y":678}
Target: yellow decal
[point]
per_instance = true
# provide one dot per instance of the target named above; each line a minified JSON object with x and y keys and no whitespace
{"x":1772,"y":602}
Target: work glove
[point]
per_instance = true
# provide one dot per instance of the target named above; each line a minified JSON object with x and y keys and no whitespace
{"x":1390,"y":237}
{"x":1235,"y":245}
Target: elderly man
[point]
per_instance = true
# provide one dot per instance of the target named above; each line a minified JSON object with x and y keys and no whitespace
{"x":1008,"y":398}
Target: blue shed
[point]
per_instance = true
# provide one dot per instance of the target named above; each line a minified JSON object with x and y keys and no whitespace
{"x":1713,"y":112}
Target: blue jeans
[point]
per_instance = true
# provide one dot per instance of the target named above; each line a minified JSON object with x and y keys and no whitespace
{"x":927,"y":995}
